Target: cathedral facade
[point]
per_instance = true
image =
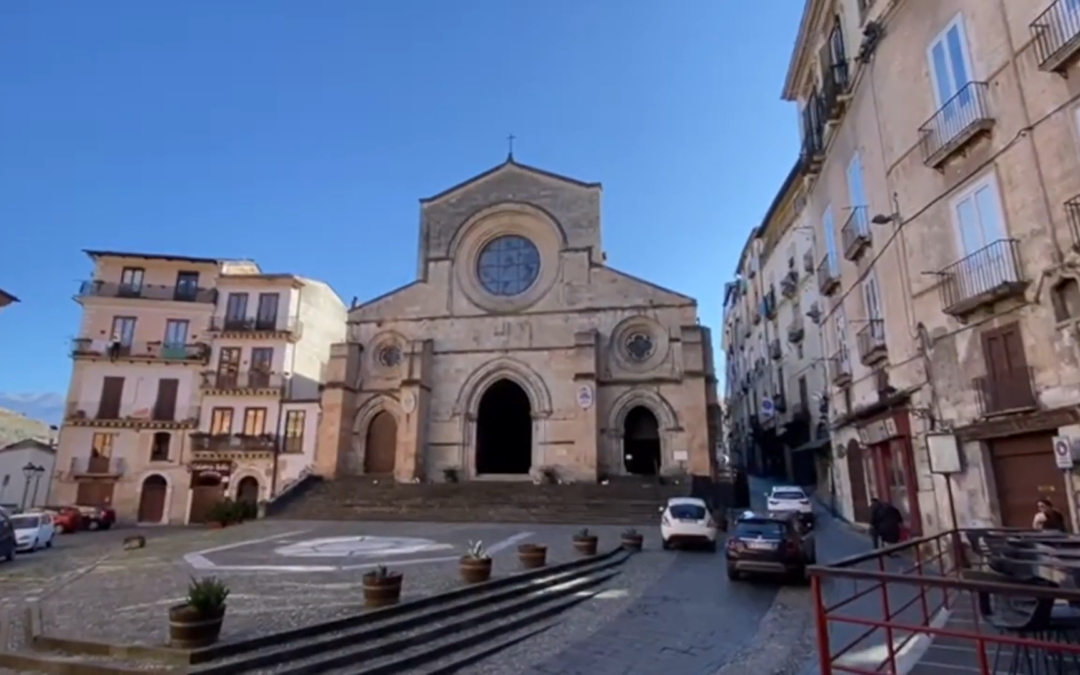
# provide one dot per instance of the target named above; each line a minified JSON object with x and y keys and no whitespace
{"x":518,"y":350}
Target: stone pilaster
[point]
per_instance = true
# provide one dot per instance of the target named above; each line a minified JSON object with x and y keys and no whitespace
{"x":337,"y":409}
{"x":415,"y":399}
{"x":587,"y":436}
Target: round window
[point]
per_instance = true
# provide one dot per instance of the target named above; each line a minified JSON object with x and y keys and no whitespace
{"x":389,"y":356}
{"x":639,"y":347}
{"x":508,"y":265}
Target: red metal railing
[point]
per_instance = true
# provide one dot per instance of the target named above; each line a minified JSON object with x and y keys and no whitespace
{"x":887,"y":611}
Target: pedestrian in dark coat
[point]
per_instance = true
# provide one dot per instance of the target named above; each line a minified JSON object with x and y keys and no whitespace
{"x":886,"y":523}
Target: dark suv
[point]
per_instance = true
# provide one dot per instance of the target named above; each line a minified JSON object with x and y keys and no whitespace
{"x":770,"y":544}
{"x":7,"y":539}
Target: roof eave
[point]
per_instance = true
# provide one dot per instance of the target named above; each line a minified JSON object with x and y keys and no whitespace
{"x":798,"y":54}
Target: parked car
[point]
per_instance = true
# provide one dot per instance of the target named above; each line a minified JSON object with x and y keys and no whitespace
{"x":774,"y":544}
{"x":96,"y":517}
{"x":66,"y":519}
{"x":789,"y":499}
{"x":7,"y":539}
{"x":33,"y":531}
{"x":687,"y":520}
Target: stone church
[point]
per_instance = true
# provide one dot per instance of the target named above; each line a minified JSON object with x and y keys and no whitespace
{"x":518,"y":349}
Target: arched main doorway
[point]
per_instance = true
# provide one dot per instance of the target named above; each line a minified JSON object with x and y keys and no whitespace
{"x":152,"y":499}
{"x":247,"y":490}
{"x":380,"y":446}
{"x":641,"y":442}
{"x":504,"y":430}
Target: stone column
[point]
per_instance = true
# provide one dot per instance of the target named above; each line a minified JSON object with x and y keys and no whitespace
{"x":415,"y":399}
{"x":587,"y":435}
{"x":338,"y":407}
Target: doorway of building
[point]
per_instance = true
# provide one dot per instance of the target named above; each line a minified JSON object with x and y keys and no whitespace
{"x":380,"y":447}
{"x":247,"y":491}
{"x":152,"y":499}
{"x":207,"y":489}
{"x":504,"y":430}
{"x":1024,"y":472}
{"x":641,"y":442}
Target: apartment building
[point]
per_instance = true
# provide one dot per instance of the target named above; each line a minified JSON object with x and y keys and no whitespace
{"x":776,"y":373}
{"x":171,"y":371}
{"x":6,"y":298}
{"x":942,"y":145}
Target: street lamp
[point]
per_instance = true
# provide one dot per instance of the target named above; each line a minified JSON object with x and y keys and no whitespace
{"x":30,"y":470}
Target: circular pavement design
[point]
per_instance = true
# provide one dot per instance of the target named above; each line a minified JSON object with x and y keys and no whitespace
{"x":358,"y":546}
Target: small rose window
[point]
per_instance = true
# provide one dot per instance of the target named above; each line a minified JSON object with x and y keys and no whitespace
{"x":389,"y":356}
{"x":639,"y":347}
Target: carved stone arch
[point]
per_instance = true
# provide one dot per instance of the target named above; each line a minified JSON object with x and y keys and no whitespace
{"x":468,"y":401}
{"x":365,"y":415}
{"x":651,"y":401}
{"x":508,"y":206}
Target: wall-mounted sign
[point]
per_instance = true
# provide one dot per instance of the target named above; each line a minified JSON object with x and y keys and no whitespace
{"x":768,"y":408}
{"x":408,"y":402}
{"x":681,"y":455}
{"x":1063,"y":452}
{"x":585,"y":396}
{"x":878,"y":431}
{"x":219,"y":468}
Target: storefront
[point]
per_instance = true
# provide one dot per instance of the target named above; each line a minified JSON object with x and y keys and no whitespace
{"x":889,"y":464}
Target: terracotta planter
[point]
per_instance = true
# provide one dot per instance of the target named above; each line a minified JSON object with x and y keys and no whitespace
{"x":532,"y":556}
{"x":382,"y":591}
{"x":633,"y":542}
{"x":586,"y":545}
{"x":475,"y":570}
{"x":189,"y":629}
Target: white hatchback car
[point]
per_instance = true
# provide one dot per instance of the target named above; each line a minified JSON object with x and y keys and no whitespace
{"x":687,"y":520}
{"x":33,"y":531}
{"x":789,"y":499}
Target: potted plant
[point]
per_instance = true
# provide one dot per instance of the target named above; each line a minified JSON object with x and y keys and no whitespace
{"x":532,"y":556}
{"x":450,"y":474}
{"x":475,"y":564}
{"x":632,"y":540}
{"x":197,"y":622}
{"x":585,"y":542}
{"x":382,"y":587}
{"x":221,"y":514}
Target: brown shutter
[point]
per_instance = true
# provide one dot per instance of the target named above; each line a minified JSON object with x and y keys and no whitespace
{"x":165,"y":405}
{"x":112,"y":393}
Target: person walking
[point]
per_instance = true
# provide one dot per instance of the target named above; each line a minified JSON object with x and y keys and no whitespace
{"x":1047,"y":517}
{"x":886,"y":523}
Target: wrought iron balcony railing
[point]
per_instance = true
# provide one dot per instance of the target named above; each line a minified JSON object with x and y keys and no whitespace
{"x":828,"y":276}
{"x":855,"y":234}
{"x":97,"y":466}
{"x":103,"y":289}
{"x":776,"y":351}
{"x":795,"y":330}
{"x":233,"y":442}
{"x":840,"y":367}
{"x":1072,"y":213}
{"x":111,"y":413}
{"x":152,"y":351}
{"x":959,"y":121}
{"x":1056,"y":34}
{"x":1006,"y":391}
{"x":237,"y":381}
{"x":871,"y":342}
{"x":274,"y":324}
{"x":986,"y":276}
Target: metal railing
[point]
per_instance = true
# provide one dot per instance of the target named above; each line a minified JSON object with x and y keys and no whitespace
{"x":985,"y":274}
{"x":776,"y":351}
{"x":840,"y":365}
{"x":1013,"y":389}
{"x":247,"y":380}
{"x":795,"y":330}
{"x":1072,"y":213}
{"x":97,"y":466}
{"x":836,"y":82}
{"x":828,"y":276}
{"x":233,"y":442}
{"x":855,"y":234}
{"x":1056,"y":34}
{"x":957,"y":121}
{"x":277,"y":324}
{"x":107,"y":289}
{"x":871,"y":341}
{"x":89,"y":347}
{"x":95,"y":411}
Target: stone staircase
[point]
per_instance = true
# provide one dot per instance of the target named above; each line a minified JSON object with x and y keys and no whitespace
{"x":622,"y":501}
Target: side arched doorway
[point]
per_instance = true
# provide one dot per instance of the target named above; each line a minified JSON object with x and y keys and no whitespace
{"x":247,"y":490}
{"x":152,"y":499}
{"x":504,"y":430}
{"x":641,"y":442}
{"x":380,"y":444}
{"x":207,"y":489}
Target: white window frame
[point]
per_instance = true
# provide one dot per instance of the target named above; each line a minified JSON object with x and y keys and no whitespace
{"x":832,"y":252}
{"x":987,"y":180}
{"x":965,"y":54}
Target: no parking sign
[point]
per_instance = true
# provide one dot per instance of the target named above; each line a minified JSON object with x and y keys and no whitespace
{"x":1063,"y":452}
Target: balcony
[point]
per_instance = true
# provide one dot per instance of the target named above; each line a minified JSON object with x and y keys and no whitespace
{"x":768,"y":305}
{"x":1010,"y":391}
{"x":256,"y":326}
{"x":813,"y":131}
{"x":840,"y":368}
{"x":251,"y":382}
{"x":962,"y":119}
{"x":855,"y":234}
{"x":111,"y":414}
{"x":103,"y":289}
{"x":96,"y":467}
{"x":991,"y":274}
{"x":91,"y":349}
{"x":795,"y":331}
{"x":808,"y":262}
{"x":755,"y":316}
{"x":871,"y":342}
{"x":1056,"y":34}
{"x":1072,"y":213}
{"x":828,"y":276}
{"x":776,"y":352}
{"x":202,"y":442}
{"x":836,"y":84}
{"x":789,"y":285}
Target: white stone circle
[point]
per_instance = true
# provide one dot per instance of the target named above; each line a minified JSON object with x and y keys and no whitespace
{"x":358,"y":546}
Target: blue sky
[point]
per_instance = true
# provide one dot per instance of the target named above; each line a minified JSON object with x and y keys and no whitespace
{"x":301,"y":134}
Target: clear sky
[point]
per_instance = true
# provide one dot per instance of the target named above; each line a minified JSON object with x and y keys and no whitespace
{"x":302,"y":134}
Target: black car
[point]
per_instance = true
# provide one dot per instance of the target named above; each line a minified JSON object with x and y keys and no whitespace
{"x":774,"y":544}
{"x":7,"y":539}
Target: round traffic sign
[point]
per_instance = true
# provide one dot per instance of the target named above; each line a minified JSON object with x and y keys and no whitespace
{"x":1061,"y":447}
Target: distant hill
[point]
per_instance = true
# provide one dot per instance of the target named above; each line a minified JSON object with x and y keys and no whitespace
{"x":17,"y":427}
